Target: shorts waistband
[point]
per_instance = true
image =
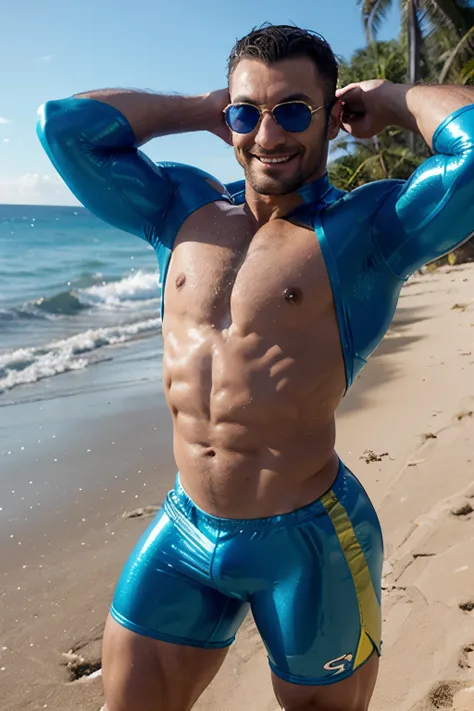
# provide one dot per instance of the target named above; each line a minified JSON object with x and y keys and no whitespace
{"x":179,"y":500}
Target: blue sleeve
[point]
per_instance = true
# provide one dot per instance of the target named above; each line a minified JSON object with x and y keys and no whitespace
{"x":93,"y":148}
{"x":433,"y":212}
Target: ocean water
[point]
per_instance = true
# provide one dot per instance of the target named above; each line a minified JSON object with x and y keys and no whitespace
{"x":74,"y":292}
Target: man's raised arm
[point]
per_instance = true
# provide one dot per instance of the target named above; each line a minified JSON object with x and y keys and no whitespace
{"x":433,"y":212}
{"x":92,"y":140}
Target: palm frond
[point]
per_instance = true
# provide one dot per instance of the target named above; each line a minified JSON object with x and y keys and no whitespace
{"x":454,"y":12}
{"x":360,"y":168}
{"x":463,"y":45}
{"x":342,"y":144}
{"x":373,"y":14}
{"x":367,"y":7}
{"x":386,"y":60}
{"x":466,"y":75}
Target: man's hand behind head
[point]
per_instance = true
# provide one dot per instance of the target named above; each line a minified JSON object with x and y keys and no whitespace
{"x":365,"y":107}
{"x":217,"y":101}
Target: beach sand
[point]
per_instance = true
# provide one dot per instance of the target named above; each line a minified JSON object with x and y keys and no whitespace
{"x":406,"y":428}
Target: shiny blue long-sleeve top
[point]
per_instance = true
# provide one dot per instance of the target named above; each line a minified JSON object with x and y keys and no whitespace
{"x":372,"y":239}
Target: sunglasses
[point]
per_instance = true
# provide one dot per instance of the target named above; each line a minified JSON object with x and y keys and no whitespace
{"x":292,"y":116}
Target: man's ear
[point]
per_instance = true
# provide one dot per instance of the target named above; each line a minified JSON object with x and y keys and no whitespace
{"x":335,"y":120}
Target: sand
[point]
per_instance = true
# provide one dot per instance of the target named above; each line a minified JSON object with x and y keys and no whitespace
{"x":406,"y":429}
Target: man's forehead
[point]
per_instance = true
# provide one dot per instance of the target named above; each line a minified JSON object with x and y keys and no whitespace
{"x":289,"y":79}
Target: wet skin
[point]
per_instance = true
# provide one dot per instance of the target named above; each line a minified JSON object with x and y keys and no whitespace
{"x":253,"y":368}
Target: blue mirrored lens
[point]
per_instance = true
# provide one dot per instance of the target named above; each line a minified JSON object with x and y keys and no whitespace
{"x":293,"y":117}
{"x":242,"y":118}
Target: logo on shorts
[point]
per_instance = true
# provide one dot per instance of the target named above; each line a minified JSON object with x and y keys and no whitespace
{"x":339,"y":665}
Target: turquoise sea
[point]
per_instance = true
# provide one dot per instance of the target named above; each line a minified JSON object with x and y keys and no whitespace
{"x":74,"y":293}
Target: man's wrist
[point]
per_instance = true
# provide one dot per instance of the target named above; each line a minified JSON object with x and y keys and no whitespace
{"x":395,"y":104}
{"x":182,"y":114}
{"x":200,"y":111}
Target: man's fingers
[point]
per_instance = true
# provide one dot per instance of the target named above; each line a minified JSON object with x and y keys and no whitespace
{"x":353,"y":102}
{"x":350,"y":114}
{"x":341,"y":92}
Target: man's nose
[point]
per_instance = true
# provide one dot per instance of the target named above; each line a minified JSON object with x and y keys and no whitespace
{"x":269,"y":134}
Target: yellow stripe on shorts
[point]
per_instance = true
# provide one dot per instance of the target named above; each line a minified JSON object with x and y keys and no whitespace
{"x":369,"y":607}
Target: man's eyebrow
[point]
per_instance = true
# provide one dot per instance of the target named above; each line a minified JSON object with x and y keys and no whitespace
{"x":297,"y":97}
{"x":242,"y":99}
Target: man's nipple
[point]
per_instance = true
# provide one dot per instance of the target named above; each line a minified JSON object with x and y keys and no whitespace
{"x":180,"y":279}
{"x":293,"y":295}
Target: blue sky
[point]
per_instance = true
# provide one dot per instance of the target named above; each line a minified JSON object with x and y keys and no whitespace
{"x":59,"y":47}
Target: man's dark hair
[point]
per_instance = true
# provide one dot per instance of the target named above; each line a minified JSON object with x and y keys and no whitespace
{"x":274,"y":43}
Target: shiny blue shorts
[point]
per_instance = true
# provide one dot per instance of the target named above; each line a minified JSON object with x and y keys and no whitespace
{"x":312,"y":579}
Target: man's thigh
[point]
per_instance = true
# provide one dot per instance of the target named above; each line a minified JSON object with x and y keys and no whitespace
{"x":169,"y":628}
{"x":351,"y":694}
{"x":144,"y":674}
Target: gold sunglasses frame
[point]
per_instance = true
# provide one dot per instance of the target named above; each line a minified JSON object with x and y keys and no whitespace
{"x":264,"y":110}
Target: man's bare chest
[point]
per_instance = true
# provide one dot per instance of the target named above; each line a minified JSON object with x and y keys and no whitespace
{"x":227,"y":274}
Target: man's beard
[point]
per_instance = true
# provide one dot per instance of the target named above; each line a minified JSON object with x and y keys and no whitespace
{"x":268,"y":185}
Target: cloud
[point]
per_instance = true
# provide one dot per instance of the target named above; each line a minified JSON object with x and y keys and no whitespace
{"x":35,"y":189}
{"x":4,"y":120}
{"x":6,"y":140}
{"x":45,"y":58}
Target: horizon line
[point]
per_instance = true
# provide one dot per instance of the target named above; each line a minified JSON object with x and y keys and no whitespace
{"x":39,"y":204}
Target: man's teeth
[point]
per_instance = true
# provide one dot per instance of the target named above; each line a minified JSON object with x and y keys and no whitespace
{"x":274,"y":160}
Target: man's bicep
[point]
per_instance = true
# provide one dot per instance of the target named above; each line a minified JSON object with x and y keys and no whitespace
{"x":127,"y":191}
{"x":92,"y":147}
{"x":433,"y":212}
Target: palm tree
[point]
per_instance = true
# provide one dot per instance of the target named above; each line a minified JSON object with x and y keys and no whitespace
{"x":430,"y":25}
{"x":421,"y":19}
{"x":384,"y":60}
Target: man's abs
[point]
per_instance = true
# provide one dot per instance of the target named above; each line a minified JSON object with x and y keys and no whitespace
{"x":253,"y":367}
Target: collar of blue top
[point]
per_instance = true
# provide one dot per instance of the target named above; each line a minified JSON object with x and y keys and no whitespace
{"x":313,"y":195}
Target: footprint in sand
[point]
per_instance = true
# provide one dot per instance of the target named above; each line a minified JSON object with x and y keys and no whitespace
{"x":453,"y":695}
{"x":370,"y":456}
{"x":466,"y":658}
{"x":463,"y":510}
{"x":465,"y":413}
{"x":441,"y":696}
{"x":78,"y":667}
{"x":84,"y":658}
{"x":143,"y":512}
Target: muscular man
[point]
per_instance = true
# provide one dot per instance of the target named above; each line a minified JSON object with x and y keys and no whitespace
{"x":275,"y":292}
